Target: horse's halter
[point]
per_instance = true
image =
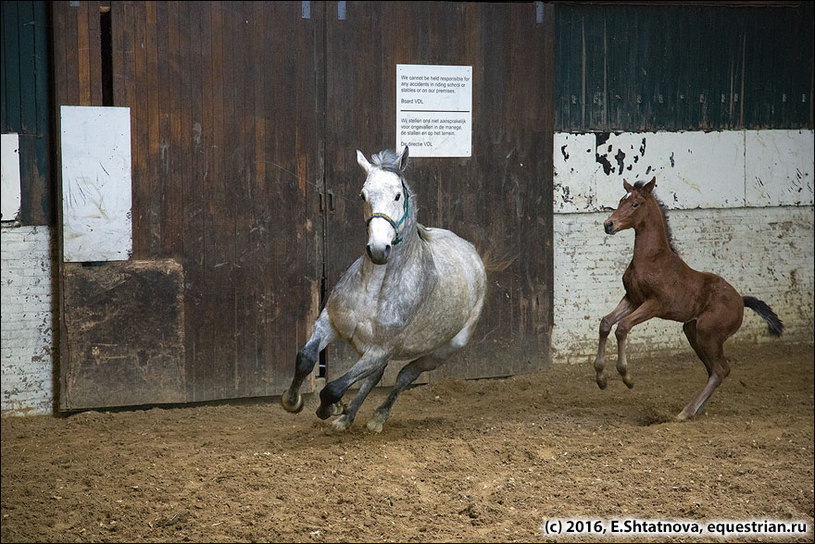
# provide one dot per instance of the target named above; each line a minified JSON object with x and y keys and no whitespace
{"x":395,"y":224}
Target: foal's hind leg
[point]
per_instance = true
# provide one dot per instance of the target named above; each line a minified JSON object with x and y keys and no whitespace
{"x":708,"y":346}
{"x":323,"y":335}
{"x":406,"y":377}
{"x":623,"y":309}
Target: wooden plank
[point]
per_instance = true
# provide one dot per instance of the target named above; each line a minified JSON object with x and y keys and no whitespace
{"x":126,"y":334}
{"x":140,"y":120}
{"x":12,"y":98}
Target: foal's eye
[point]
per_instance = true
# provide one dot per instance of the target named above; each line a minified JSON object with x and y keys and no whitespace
{"x":398,"y":196}
{"x":634,"y":204}
{"x":362,"y":196}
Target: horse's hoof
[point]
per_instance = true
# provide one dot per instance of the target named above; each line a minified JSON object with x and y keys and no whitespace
{"x":341,"y":423}
{"x":324,"y":412}
{"x":338,"y":408}
{"x":294,"y":407}
{"x":376,"y":423}
{"x":682,"y":416}
{"x":628,"y":383}
{"x":602,"y":382}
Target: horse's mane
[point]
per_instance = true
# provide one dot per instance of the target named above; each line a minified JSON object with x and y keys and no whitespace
{"x":388,"y":160}
{"x":662,"y":209}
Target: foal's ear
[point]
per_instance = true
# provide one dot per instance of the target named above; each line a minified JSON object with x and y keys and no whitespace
{"x":403,"y":159}
{"x":627,"y":186}
{"x":363,"y":162}
{"x":650,"y":185}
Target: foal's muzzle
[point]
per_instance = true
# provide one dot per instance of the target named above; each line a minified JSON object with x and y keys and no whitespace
{"x":609,"y":226}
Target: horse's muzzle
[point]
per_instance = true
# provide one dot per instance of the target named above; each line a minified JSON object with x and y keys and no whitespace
{"x":609,"y":226}
{"x":378,"y":255}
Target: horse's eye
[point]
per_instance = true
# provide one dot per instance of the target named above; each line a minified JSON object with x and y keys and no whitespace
{"x":362,"y":196}
{"x":634,"y":204}
{"x":398,"y":196}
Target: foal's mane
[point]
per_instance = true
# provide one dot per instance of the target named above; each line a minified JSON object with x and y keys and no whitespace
{"x":662,"y":209}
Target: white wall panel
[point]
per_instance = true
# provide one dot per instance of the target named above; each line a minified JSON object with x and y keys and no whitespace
{"x":96,"y":183}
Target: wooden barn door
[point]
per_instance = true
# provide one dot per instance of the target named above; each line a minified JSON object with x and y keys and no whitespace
{"x":244,"y":121}
{"x":223,"y":282}
{"x":500,"y":198}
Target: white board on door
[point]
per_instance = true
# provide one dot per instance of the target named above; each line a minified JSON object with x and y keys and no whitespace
{"x":96,"y":183}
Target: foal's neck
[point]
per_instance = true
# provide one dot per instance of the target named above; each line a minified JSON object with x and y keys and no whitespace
{"x":651,"y":234}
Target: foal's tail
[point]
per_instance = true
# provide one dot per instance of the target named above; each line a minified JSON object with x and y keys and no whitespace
{"x":760,"y":307}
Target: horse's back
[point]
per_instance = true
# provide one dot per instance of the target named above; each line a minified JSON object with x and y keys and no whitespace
{"x":456,"y":259}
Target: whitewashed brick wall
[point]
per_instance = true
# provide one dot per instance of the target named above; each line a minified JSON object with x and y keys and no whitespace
{"x":762,"y":252}
{"x":741,"y":206}
{"x":26,"y":329}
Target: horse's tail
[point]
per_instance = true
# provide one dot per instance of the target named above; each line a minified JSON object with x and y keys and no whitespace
{"x":497,"y":260}
{"x":760,"y":307}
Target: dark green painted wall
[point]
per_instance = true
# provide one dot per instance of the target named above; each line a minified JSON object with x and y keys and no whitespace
{"x":682,"y":67}
{"x":26,"y":104}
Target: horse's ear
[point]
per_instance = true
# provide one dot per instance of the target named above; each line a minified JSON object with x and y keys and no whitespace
{"x":627,"y":186}
{"x":403,"y":159}
{"x":363,"y":162}
{"x":650,"y":185}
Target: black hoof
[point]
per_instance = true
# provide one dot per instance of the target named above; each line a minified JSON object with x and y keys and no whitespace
{"x":294,"y":407}
{"x":324,"y":412}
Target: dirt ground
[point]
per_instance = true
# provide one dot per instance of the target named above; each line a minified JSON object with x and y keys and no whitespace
{"x":488,"y":460}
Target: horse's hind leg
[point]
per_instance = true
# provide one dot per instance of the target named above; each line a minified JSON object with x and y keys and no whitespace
{"x":323,"y":335}
{"x":345,"y":420}
{"x":623,"y":309}
{"x":708,"y":345}
{"x":406,"y":377}
{"x":371,"y":363}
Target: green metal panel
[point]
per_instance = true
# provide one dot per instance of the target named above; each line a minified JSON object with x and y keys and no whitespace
{"x":25,"y":102}
{"x":682,"y":67}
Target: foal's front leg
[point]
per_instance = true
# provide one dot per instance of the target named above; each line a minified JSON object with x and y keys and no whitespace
{"x":323,"y":335}
{"x":623,"y":309}
{"x":644,"y":312}
{"x":372,"y":361}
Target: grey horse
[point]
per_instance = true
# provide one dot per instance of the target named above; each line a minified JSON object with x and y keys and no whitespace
{"x":414,"y":296}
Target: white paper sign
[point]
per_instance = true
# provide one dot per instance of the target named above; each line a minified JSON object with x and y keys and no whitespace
{"x":96,"y":183}
{"x":434,"y":106}
{"x":10,"y":189}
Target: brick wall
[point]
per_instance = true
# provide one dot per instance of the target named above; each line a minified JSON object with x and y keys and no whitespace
{"x":740,"y":205}
{"x":27,"y":317}
{"x":762,"y":252}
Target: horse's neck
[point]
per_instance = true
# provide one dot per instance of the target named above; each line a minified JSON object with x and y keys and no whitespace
{"x":651,"y":235}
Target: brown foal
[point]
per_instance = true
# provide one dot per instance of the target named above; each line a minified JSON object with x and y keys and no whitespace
{"x":658,"y":283}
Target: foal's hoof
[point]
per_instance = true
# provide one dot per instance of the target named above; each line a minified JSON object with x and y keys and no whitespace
{"x":602,"y":382}
{"x":294,"y":405}
{"x":629,"y":383}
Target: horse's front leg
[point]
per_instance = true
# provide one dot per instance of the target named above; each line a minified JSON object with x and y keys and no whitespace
{"x":323,"y":335}
{"x":644,"y":312}
{"x":347,"y":418}
{"x":372,"y":361}
{"x":623,"y":309}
